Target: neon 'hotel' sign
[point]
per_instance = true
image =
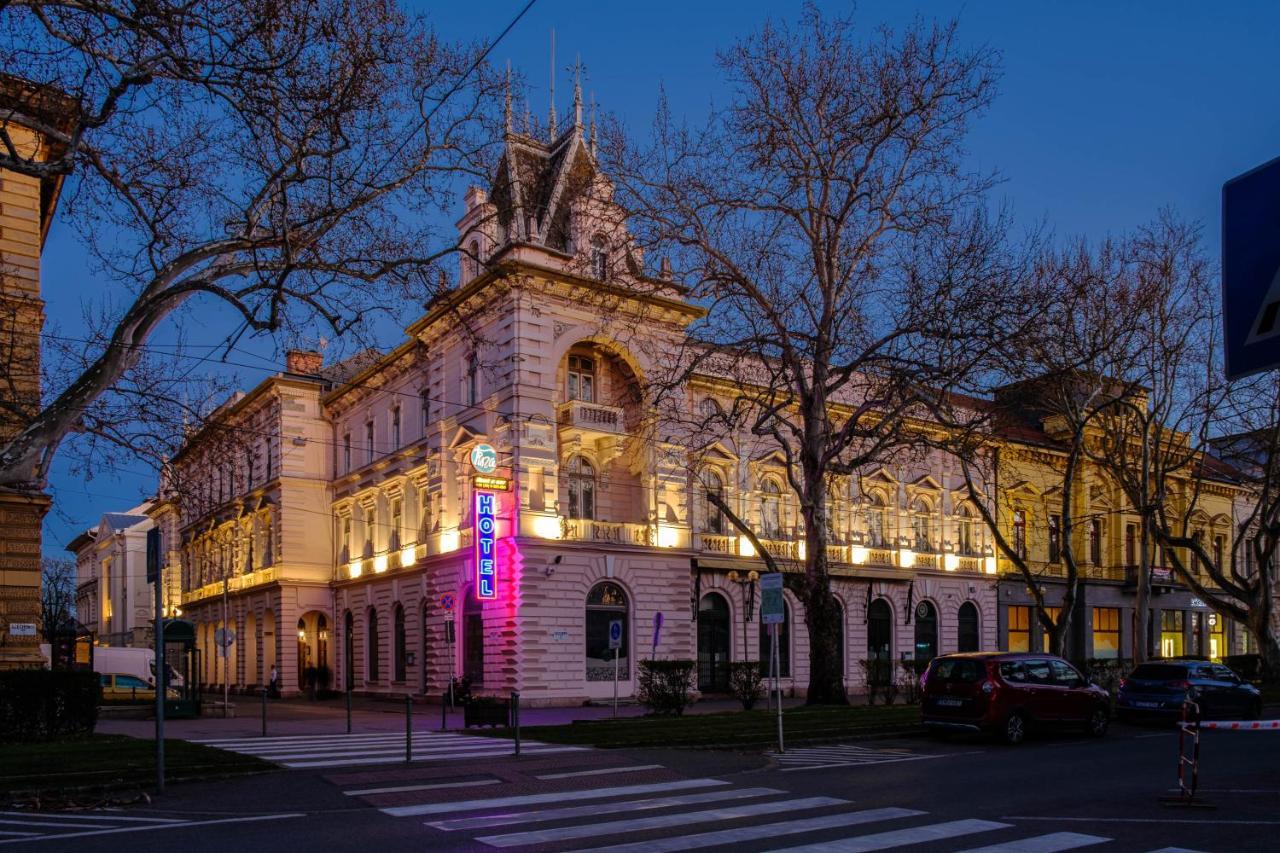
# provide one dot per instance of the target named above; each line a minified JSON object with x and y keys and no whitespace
{"x":486,"y":547}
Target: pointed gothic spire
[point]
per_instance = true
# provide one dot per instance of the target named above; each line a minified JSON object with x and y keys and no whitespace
{"x":551,"y":123}
{"x":507,"y":110}
{"x":577,"y":94}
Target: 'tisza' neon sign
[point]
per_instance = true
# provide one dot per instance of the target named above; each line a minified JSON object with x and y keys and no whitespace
{"x":486,"y":550}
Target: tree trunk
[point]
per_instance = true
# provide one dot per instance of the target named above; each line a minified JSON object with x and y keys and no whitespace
{"x":822,"y":618}
{"x":1268,"y":644}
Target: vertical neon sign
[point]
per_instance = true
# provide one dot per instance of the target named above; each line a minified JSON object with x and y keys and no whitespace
{"x":486,"y":550}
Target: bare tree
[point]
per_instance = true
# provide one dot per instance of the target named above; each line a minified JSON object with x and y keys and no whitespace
{"x":57,"y":594}
{"x":277,"y":161}
{"x":826,"y":220}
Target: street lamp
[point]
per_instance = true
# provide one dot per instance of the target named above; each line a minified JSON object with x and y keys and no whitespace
{"x":747,"y":579}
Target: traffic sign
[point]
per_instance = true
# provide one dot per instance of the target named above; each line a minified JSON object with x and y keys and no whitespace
{"x":615,"y":633}
{"x":446,"y":602}
{"x":772,"y":610}
{"x":1251,"y":270}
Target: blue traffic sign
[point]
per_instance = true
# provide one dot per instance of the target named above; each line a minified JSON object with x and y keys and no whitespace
{"x":615,"y":634}
{"x":1251,"y":270}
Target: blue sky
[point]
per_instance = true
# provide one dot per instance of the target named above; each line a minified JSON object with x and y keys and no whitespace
{"x":1107,"y":112}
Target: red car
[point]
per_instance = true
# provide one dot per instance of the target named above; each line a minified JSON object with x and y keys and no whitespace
{"x":1008,"y":693}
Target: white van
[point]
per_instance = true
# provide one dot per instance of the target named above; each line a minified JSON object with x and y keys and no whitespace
{"x":125,"y":660}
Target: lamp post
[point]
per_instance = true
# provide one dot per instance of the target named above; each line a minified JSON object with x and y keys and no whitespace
{"x":748,"y":581}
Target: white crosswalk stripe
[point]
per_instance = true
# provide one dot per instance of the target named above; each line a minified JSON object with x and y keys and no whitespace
{"x":927,"y":834}
{"x":1051,"y":843}
{"x":32,"y":827}
{"x":342,"y":750}
{"x":821,"y":757}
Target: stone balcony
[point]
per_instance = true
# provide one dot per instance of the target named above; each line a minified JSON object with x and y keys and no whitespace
{"x":591,"y":418}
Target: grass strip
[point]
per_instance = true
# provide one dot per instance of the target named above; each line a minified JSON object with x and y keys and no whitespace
{"x":107,"y":762}
{"x":731,"y":729}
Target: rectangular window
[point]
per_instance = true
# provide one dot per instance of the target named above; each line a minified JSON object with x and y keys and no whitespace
{"x":368,"y":440}
{"x":346,"y":452}
{"x":1095,"y":542}
{"x":346,"y":538}
{"x":581,"y":379}
{"x":473,"y":380}
{"x":1106,"y":632}
{"x":270,"y":465}
{"x":424,"y":411}
{"x":397,"y":514}
{"x":368,"y":532}
{"x":395,"y":428}
{"x":1171,"y":633}
{"x":1219,"y":550}
{"x":1019,"y":629}
{"x":1020,"y":533}
{"x":1055,"y":538}
{"x":1131,"y":544}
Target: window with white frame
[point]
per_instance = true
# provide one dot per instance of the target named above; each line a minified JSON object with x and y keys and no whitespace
{"x":580,"y":379}
{"x":581,"y":476}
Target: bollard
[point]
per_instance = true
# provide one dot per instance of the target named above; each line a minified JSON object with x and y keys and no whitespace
{"x":515,"y":718}
{"x":264,"y":712}
{"x":408,"y":728}
{"x":444,"y":713}
{"x":348,"y":710}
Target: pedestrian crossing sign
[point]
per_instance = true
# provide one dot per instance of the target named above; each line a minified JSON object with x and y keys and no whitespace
{"x":1251,"y":270}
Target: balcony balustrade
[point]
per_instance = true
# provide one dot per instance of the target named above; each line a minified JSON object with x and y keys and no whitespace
{"x":591,"y":417}
{"x":615,"y":532}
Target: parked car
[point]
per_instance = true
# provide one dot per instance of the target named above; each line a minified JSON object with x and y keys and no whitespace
{"x":1009,"y":693}
{"x":123,"y":687}
{"x":1160,"y":688}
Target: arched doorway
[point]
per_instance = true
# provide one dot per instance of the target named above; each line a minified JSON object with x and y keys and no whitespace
{"x":424,"y":673}
{"x":252,"y":641}
{"x":268,"y":644}
{"x":926,"y":618}
{"x":967,"y":628}
{"x":713,"y":643}
{"x":879,"y":642}
{"x":606,"y":603}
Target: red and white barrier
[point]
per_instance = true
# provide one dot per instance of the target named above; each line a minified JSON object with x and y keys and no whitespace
{"x":1241,"y":725}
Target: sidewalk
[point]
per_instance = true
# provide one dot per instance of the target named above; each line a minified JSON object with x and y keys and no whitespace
{"x":329,"y":716}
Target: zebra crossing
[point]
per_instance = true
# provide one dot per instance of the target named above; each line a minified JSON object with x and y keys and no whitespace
{"x":22,"y":827}
{"x":343,"y":750}
{"x":843,"y":755}
{"x":702,"y":813}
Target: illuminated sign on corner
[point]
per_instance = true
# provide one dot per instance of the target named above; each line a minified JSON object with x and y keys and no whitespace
{"x":486,"y":546}
{"x":484,"y":458}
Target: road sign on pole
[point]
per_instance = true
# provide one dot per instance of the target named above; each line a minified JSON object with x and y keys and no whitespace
{"x":1251,"y":270}
{"x":615,"y":643}
{"x":771,"y":606}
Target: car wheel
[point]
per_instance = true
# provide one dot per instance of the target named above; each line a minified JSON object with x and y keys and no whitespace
{"x":1015,"y":729}
{"x":1098,"y":723}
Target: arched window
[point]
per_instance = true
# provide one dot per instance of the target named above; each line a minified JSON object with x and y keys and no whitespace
{"x":713,"y":485}
{"x":771,"y":509}
{"x":600,"y":257}
{"x":580,"y":379}
{"x":877,"y":535}
{"x":582,"y":488}
{"x":473,"y":639}
{"x":373,"y":648}
{"x":926,"y":618}
{"x":709,"y":409}
{"x":473,"y":260}
{"x":713,"y":643}
{"x":784,"y":645}
{"x":348,"y":650}
{"x":398,"y":644}
{"x":967,"y":627}
{"x":606,"y":603}
{"x":964,"y":532}
{"x":879,"y":642}
{"x":920,"y":525}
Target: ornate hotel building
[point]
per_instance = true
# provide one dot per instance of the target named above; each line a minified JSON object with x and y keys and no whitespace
{"x":483,"y":500}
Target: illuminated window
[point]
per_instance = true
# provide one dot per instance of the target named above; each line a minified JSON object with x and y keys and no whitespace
{"x":771,"y":509}
{"x":877,"y":534}
{"x":1019,"y":619}
{"x":920,"y":525}
{"x":926,"y":625}
{"x":581,"y":379}
{"x":1106,"y":632}
{"x":606,"y":603}
{"x":1217,"y":636}
{"x":581,"y":476}
{"x":397,"y":518}
{"x":1171,"y":633}
{"x":368,"y":531}
{"x":964,"y":532}
{"x":713,"y":485}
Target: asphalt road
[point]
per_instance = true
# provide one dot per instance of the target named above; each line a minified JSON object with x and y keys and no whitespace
{"x":962,"y":794}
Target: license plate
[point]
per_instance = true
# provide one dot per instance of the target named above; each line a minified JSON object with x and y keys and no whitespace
{"x":951,"y":703}
{"x":1146,"y":704}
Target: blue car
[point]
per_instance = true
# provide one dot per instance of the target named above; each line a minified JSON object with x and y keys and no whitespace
{"x":1160,"y":688}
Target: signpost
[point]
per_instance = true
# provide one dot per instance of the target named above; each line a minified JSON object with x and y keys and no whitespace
{"x":1251,"y":270}
{"x":658,"y":620}
{"x":162,"y":666}
{"x":446,"y":604}
{"x":773,"y":613}
{"x":615,"y":643}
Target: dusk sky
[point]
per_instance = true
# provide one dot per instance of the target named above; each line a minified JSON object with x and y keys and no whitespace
{"x":1106,"y":113}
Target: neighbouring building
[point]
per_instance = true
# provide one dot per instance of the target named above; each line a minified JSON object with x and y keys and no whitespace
{"x":27,"y":205}
{"x":1106,"y":541}
{"x":113,"y":598}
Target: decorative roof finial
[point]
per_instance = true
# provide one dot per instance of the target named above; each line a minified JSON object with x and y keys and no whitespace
{"x":552,"y":120}
{"x":507,"y":107}
{"x":577,"y":93}
{"x":593,"y":124}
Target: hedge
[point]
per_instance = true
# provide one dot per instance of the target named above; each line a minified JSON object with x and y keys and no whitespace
{"x":42,"y":704}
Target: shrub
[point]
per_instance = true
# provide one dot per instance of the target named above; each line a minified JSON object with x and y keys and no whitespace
{"x":878,"y":674}
{"x":745,"y":680}
{"x":909,"y":672}
{"x":1107,"y":672}
{"x":665,"y":685}
{"x":42,"y":704}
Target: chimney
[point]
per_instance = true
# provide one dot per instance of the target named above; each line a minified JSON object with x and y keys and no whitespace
{"x":303,"y":362}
